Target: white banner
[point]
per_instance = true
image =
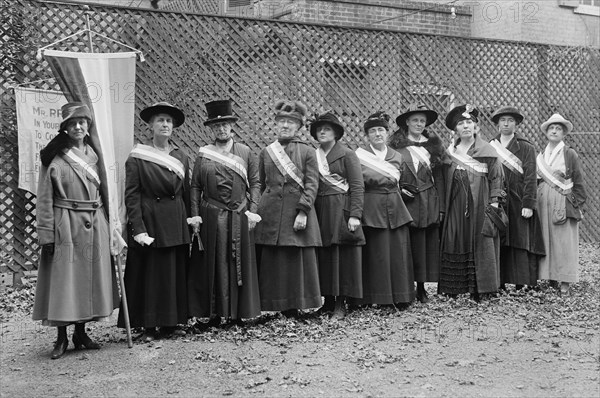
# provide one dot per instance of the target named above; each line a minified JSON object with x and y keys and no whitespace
{"x":38,"y":119}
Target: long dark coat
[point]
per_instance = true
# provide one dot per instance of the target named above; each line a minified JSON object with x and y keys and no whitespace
{"x":282,"y":199}
{"x":485,"y":190}
{"x":215,"y":268}
{"x":77,"y":282}
{"x":335,"y":208}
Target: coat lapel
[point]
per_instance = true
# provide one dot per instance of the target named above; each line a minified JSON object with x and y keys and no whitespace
{"x":336,"y":153}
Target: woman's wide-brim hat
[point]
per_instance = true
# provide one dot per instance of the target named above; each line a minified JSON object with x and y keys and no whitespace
{"x":327,"y":118}
{"x":163,"y":107}
{"x":461,"y":112}
{"x":219,"y":111}
{"x":72,"y":110}
{"x":557,"y":118}
{"x":507,"y":111}
{"x":430,"y":115}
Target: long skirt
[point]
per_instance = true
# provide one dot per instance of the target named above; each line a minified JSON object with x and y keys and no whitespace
{"x":457,"y":270}
{"x":155,"y":283}
{"x":425,"y":244}
{"x":340,"y":270}
{"x":388,"y":276}
{"x":561,"y":262}
{"x":288,"y":278}
{"x":213,"y":288}
{"x":518,"y":266}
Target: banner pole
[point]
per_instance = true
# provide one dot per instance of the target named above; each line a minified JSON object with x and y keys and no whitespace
{"x":124,"y":300}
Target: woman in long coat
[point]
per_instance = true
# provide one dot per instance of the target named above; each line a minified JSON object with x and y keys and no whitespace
{"x":470,"y":238}
{"x":561,"y":197}
{"x":157,"y":199}
{"x":339,"y":206}
{"x":76,"y":281}
{"x":522,"y":246}
{"x":423,"y":190}
{"x":288,"y":234}
{"x":388,"y":276}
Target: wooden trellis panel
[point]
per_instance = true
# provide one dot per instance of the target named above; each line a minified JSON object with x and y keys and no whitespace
{"x":192,"y":59}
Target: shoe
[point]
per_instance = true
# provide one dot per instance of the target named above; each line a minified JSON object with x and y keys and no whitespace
{"x":148,"y":336}
{"x":422,"y":297}
{"x":60,"y":347}
{"x":170,"y":331}
{"x":402,"y":306}
{"x":84,"y":341}
{"x":565,"y":288}
{"x":293,"y":313}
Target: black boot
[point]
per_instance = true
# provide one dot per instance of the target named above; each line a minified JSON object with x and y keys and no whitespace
{"x":61,"y":344}
{"x":339,"y":311}
{"x":80,"y":338}
{"x":328,"y":306}
{"x":422,"y":293}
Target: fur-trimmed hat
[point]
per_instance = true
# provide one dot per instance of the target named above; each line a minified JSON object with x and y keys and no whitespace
{"x":378,"y":119}
{"x":163,"y":107}
{"x":507,"y":111}
{"x":327,"y":118}
{"x":292,"y":109}
{"x":557,"y":119}
{"x":461,"y":112}
{"x":219,"y":111}
{"x":430,"y":115}
{"x":72,"y":110}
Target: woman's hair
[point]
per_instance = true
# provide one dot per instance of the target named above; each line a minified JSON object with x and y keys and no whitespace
{"x":56,"y":146}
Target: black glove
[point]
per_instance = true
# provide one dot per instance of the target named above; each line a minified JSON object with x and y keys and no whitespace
{"x":48,"y":249}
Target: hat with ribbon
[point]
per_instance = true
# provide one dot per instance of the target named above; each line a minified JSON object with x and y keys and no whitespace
{"x":163,"y":107}
{"x":430,"y":115}
{"x":507,"y":111}
{"x":378,"y":119}
{"x":292,"y":109}
{"x":72,"y":110}
{"x":326,"y":118}
{"x":219,"y":111}
{"x":554,"y":119}
{"x":461,"y":112}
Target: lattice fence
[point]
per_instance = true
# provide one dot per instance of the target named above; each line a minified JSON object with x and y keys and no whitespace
{"x":191,"y":59}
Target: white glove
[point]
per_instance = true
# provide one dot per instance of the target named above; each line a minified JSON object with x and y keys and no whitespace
{"x":143,"y":239}
{"x":195,"y":222}
{"x":253,"y":219}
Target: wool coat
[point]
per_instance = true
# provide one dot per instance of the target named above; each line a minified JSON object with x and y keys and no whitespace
{"x":77,"y":281}
{"x":282,"y":199}
{"x":485,"y":190}
{"x":384,"y":207}
{"x":335,"y":208}
{"x":576,"y":199}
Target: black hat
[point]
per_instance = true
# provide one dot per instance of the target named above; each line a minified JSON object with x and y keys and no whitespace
{"x":292,"y":109}
{"x":219,"y":111}
{"x":163,"y":107}
{"x":378,"y":119}
{"x":430,"y":115}
{"x":508,"y":111}
{"x":327,"y":118}
{"x":461,"y":112}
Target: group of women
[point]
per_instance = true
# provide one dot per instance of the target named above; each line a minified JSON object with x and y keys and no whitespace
{"x":295,"y":224}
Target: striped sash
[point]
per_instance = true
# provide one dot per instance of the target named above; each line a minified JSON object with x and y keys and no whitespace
{"x":507,"y":158}
{"x":285,"y":165}
{"x":551,"y":177}
{"x":151,"y":154}
{"x":333,"y":180}
{"x":420,"y":153}
{"x":468,"y":163}
{"x":376,"y":164}
{"x":228,"y":159}
{"x":88,"y":170}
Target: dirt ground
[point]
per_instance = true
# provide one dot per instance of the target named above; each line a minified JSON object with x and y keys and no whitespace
{"x":537,"y":344}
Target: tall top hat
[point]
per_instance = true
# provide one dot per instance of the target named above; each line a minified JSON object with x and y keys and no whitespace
{"x":163,"y":107}
{"x":326,"y":118}
{"x":219,"y":111}
{"x":507,"y":111}
{"x":430,"y":115}
{"x":72,"y":110}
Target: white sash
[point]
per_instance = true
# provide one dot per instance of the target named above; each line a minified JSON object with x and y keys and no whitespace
{"x":421,"y":154}
{"x":284,"y":163}
{"x":151,"y":154}
{"x":546,"y":172}
{"x":334,"y":180}
{"x":230,"y":160}
{"x":507,"y":157}
{"x":87,"y":169}
{"x":371,"y":161}
{"x":467,"y":162}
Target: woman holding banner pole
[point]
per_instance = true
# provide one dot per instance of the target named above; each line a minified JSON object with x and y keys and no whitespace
{"x":76,"y":282}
